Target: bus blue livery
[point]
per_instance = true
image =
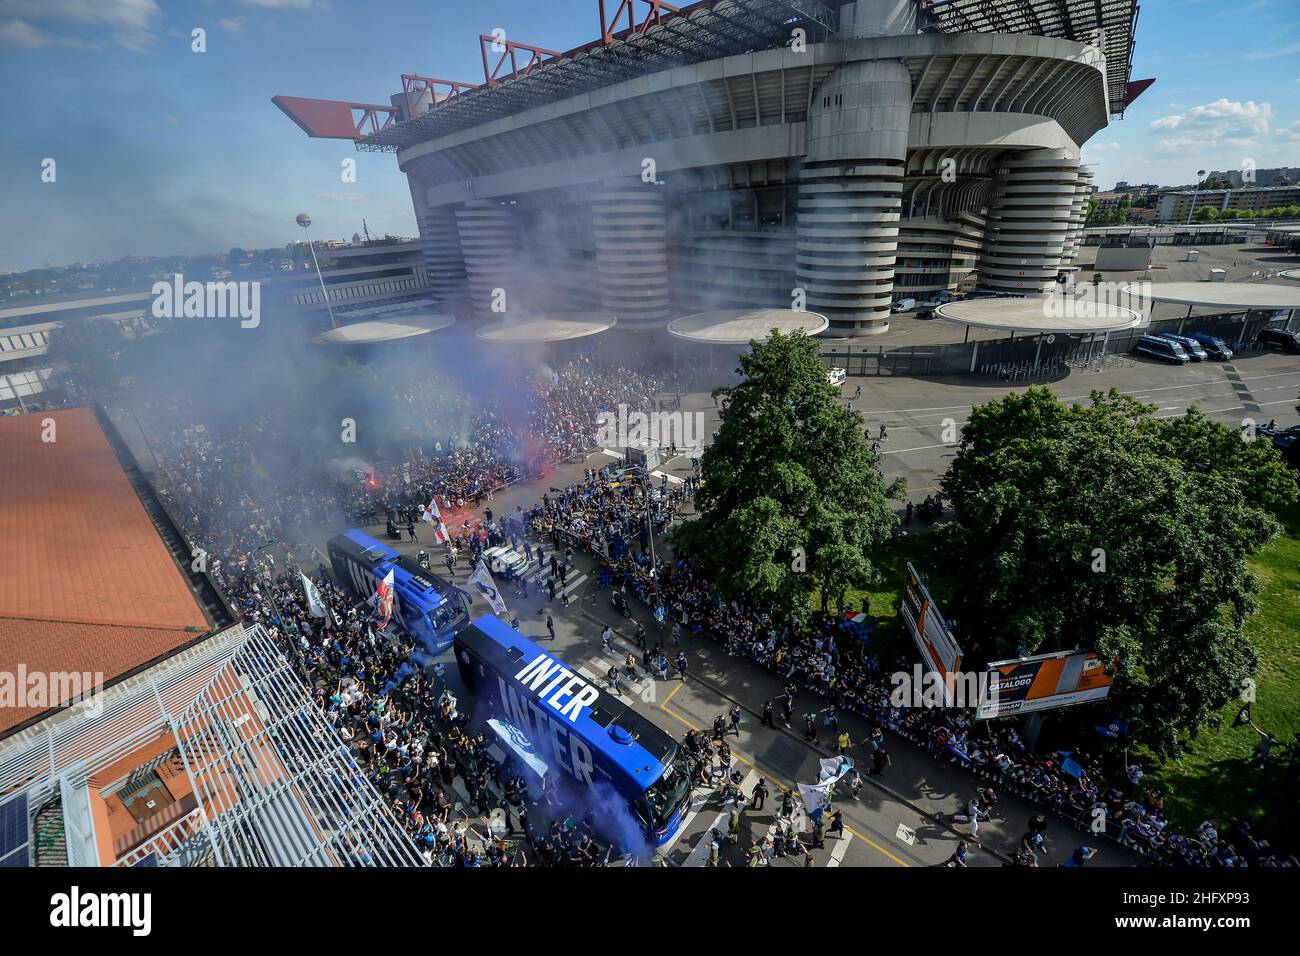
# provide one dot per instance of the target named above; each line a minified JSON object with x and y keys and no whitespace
{"x":427,"y":606}
{"x":598,"y":742}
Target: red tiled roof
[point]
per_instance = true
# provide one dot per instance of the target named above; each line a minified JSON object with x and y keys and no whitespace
{"x":86,"y":583}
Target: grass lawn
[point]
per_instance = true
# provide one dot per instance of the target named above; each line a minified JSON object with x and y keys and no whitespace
{"x":1211,"y":779}
{"x":890,"y":639}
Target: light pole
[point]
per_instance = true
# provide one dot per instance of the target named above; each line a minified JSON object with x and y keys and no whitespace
{"x":304,"y":220}
{"x":650,"y":534}
{"x":1200,"y":175}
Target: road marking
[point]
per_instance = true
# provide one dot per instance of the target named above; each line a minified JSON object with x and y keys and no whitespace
{"x":906,"y":834}
{"x":899,"y":451}
{"x":777,"y":778}
{"x":1064,"y":398}
{"x":837,"y":854}
{"x":699,"y":855}
{"x":696,"y":806}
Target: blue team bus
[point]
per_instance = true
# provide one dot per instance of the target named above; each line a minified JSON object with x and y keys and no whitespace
{"x":430,"y":608}
{"x":616,"y":758}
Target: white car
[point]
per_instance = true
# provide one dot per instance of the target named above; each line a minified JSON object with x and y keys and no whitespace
{"x":837,"y":377}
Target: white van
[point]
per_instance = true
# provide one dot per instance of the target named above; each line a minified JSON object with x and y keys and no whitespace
{"x":903,"y":305}
{"x":837,"y":377}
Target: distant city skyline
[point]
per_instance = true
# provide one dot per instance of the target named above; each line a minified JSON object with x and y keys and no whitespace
{"x":159,"y":150}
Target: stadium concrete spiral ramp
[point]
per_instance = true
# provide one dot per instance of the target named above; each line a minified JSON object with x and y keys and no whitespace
{"x":628,"y":227}
{"x":1029,"y":221}
{"x":440,"y":244}
{"x":489,"y":241}
{"x":850,"y":194}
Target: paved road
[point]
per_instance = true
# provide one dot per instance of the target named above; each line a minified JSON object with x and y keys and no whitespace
{"x":903,"y":819}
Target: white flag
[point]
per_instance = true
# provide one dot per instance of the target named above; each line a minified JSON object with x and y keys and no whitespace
{"x":816,"y":796}
{"x":482,"y":579}
{"x":315,"y":606}
{"x":433,"y":516}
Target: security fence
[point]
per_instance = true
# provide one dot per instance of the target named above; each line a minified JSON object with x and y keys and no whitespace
{"x":1042,"y":358}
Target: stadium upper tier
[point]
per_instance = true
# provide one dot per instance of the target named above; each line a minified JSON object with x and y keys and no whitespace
{"x":758,"y":154}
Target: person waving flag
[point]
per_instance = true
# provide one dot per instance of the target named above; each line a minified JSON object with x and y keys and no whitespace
{"x":433,"y":516}
{"x":382,"y":599}
{"x":482,"y":580}
{"x":315,"y":605}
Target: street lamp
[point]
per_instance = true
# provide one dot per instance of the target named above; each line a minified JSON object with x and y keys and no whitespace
{"x":304,"y":220}
{"x":1200,"y":175}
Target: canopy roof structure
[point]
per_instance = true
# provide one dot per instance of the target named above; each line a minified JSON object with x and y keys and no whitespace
{"x":1220,"y":295}
{"x":741,"y":326}
{"x":1038,"y":316}
{"x":1108,"y":23}
{"x":551,"y":327}
{"x":519,"y":76}
{"x":387,"y":330}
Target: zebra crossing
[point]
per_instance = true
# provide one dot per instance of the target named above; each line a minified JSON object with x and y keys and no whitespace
{"x":532,"y":572}
{"x":699,"y":855}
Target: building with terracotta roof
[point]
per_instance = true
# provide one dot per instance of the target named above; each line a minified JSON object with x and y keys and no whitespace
{"x":140,"y":723}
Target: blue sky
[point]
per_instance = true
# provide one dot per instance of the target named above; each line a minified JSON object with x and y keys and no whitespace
{"x":163,"y":150}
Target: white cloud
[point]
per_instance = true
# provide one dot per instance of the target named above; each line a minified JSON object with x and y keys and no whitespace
{"x":129,"y":23}
{"x":1221,"y":123}
{"x":21,"y":34}
{"x":1290,"y":50}
{"x":1289,"y":133}
{"x":279,"y":4}
{"x":343,"y":197}
{"x":232,"y":24}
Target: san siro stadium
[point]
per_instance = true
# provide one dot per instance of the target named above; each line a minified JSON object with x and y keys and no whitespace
{"x":833,"y":157}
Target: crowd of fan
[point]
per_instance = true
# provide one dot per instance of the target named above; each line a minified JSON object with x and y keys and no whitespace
{"x":412,"y":740}
{"x":824,"y":655}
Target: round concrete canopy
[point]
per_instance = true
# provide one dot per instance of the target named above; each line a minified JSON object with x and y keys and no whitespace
{"x":550,"y":327}
{"x":1223,"y":295}
{"x":740,"y":326}
{"x":1030,"y":315}
{"x":388,"y":330}
{"x":1293,"y":274}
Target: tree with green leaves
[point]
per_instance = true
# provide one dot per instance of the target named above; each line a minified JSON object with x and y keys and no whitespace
{"x":1101,"y":527}
{"x":791,"y":498}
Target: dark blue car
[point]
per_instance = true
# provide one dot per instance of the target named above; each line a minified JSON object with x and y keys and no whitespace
{"x":1216,"y":348}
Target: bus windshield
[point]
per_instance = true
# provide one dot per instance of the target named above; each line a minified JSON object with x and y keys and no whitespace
{"x":449,"y":615}
{"x":667,"y":793}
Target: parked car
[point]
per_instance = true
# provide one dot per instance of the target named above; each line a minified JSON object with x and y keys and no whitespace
{"x":1280,"y":339}
{"x":837,"y":376}
{"x":1166,"y":350}
{"x":1214,"y":346}
{"x":903,"y":305}
{"x":1192,"y":347}
{"x":1282,"y":438}
{"x":925,"y":314}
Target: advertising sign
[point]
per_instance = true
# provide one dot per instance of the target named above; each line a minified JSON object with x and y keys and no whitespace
{"x":1043,"y":682}
{"x":939,"y":650}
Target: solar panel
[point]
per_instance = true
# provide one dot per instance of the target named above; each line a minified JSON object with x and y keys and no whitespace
{"x":14,"y":837}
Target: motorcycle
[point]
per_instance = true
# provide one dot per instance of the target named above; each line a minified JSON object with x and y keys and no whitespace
{"x":619,"y":600}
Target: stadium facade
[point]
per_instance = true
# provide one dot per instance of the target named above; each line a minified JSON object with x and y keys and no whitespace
{"x":737,"y":153}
